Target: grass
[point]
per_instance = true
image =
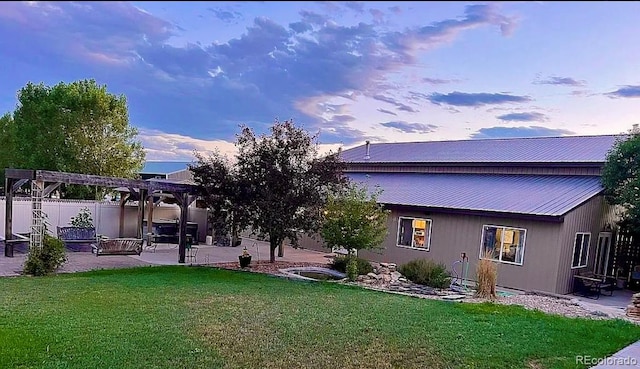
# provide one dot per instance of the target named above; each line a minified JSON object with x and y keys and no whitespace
{"x":179,"y":317}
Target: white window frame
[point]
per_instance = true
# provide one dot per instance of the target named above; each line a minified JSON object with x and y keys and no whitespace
{"x":412,"y":247}
{"x":586,"y":261}
{"x":524,"y":241}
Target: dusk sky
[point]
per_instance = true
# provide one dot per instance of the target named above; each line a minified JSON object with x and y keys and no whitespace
{"x":352,"y":71}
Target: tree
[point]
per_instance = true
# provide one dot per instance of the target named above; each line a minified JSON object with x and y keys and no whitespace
{"x":354,"y":219}
{"x":621,"y":179}
{"x":224,"y":193}
{"x":6,"y":146}
{"x":288,"y":183}
{"x":76,"y":127}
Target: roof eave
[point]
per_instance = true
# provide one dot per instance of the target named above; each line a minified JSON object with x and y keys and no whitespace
{"x":581,"y":164}
{"x":553,"y":218}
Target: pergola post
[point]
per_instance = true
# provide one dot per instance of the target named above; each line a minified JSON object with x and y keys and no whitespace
{"x":150,"y":206}
{"x":8,"y":219}
{"x":123,"y":200}
{"x":184,"y":213}
{"x":141,"y":199}
{"x":36,"y":236}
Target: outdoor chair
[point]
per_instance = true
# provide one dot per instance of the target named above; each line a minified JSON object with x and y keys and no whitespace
{"x":191,"y":251}
{"x":592,"y":285}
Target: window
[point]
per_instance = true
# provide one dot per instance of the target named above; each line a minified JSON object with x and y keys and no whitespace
{"x":414,"y":233}
{"x":581,"y":250}
{"x":503,"y":244}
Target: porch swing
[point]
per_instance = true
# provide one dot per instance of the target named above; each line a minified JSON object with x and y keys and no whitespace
{"x":105,"y":246}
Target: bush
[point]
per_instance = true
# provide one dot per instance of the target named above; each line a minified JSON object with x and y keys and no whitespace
{"x":486,"y":277}
{"x":83,"y":219}
{"x":426,"y":272}
{"x":352,"y":269}
{"x":46,"y":260}
{"x":339,"y":263}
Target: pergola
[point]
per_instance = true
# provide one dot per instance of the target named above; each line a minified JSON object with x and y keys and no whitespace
{"x":43,"y":182}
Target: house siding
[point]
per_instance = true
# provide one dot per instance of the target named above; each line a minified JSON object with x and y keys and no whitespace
{"x":485,"y":169}
{"x":453,"y":234}
{"x":588,"y":217}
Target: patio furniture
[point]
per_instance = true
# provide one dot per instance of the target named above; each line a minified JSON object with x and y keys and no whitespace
{"x":77,"y":238}
{"x":592,"y":286}
{"x":118,"y":246}
{"x":191,"y":252}
{"x":634,"y":280}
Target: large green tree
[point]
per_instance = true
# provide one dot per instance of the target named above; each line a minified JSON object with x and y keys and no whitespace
{"x":77,"y":127}
{"x":354,"y":220}
{"x":225,"y":194}
{"x":288,"y":182}
{"x":621,"y":178}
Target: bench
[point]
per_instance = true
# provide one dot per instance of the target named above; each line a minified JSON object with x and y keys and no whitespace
{"x":118,"y":246}
{"x":77,"y":238}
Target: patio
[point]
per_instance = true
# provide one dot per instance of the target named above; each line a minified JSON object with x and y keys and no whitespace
{"x":166,"y":254}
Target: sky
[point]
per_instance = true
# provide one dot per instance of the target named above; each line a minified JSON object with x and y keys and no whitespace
{"x":193,"y":72}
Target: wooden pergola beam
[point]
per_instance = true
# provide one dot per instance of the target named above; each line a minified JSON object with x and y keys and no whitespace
{"x":19,"y":183}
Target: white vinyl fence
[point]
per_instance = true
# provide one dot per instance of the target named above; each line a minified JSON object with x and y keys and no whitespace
{"x":106,"y":215}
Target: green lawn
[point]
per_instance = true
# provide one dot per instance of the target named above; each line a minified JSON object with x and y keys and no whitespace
{"x":180,"y":317}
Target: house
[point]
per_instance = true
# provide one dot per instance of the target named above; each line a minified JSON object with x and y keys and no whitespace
{"x":534,"y":205}
{"x":174,"y":170}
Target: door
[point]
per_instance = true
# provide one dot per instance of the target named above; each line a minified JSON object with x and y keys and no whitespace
{"x":602,"y":253}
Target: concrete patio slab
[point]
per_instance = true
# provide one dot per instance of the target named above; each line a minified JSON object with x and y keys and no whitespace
{"x":628,"y":357}
{"x":166,"y":254}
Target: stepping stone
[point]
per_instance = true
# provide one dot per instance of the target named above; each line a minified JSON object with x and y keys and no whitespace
{"x":453,"y":297}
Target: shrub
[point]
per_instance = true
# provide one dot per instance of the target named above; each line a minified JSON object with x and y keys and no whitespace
{"x":426,"y":272}
{"x":339,"y":263}
{"x":83,"y":219}
{"x":46,"y":260}
{"x":486,"y":278}
{"x":352,"y":269}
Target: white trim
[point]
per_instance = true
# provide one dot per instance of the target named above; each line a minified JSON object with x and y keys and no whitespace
{"x":499,"y":260}
{"x":573,"y":255}
{"x":601,"y":235}
{"x":428,"y":230}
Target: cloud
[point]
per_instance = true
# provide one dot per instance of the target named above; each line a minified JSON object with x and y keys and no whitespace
{"x":378,"y":15}
{"x":475,"y":99}
{"x":515,"y":132}
{"x":439,"y":81}
{"x":337,"y":129}
{"x":396,"y":103}
{"x":523,"y":117}
{"x":446,"y":30}
{"x":203,"y":89}
{"x":386,"y":111}
{"x":160,"y":145}
{"x":405,"y":127}
{"x":356,"y":6}
{"x":417,"y":96}
{"x":562,"y":81}
{"x":170,"y":146}
{"x":395,"y":9}
{"x":227,"y":16}
{"x":626,"y":91}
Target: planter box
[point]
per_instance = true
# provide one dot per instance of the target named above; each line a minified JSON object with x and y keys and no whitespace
{"x":244,"y":261}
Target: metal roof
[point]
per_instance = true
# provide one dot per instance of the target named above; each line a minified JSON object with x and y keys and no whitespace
{"x":164,"y":167}
{"x":567,"y":149}
{"x":522,"y":194}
